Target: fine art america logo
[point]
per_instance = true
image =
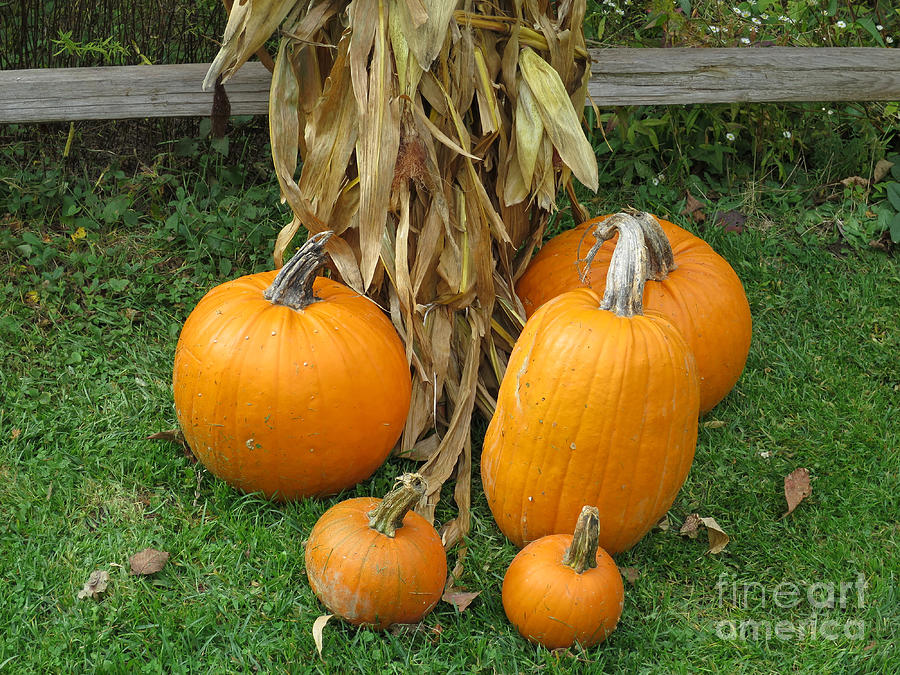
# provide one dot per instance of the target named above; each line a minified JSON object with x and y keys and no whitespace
{"x":821,"y":598}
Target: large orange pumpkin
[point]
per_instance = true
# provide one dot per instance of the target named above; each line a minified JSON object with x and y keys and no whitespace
{"x":696,"y":289}
{"x":599,"y":406}
{"x":563,"y":588}
{"x":374,"y":562}
{"x":291,"y":385}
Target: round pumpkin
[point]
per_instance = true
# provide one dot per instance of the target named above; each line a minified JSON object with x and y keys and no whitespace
{"x":563,"y":588}
{"x":374,"y":561}
{"x":599,"y":405}
{"x":290,"y":384}
{"x":699,"y":293}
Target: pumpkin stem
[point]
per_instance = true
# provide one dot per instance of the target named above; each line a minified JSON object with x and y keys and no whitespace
{"x":293,"y":287}
{"x":582,"y":552}
{"x":388,"y":515}
{"x":662,"y":260}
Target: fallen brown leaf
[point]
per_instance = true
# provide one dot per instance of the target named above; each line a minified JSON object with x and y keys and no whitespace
{"x":148,"y":561}
{"x":15,"y":433}
{"x":459,"y":598}
{"x":713,"y":424}
{"x":731,"y":221}
{"x":663,"y":524}
{"x":175,"y":436}
{"x":631,"y":574}
{"x":691,"y":526}
{"x":882,"y":168}
{"x":693,"y":207}
{"x":95,"y":585}
{"x":317,"y":630}
{"x":796,"y":489}
{"x":852,"y":181}
{"x":718,"y":540}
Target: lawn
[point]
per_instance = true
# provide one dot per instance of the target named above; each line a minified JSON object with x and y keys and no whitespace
{"x":96,"y":278}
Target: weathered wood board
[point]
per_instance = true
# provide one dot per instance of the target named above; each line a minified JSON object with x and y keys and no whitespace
{"x":618,"y":77}
{"x":125,"y":92}
{"x":683,"y":76}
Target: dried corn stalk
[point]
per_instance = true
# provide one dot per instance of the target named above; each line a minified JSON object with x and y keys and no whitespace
{"x":434,"y":137}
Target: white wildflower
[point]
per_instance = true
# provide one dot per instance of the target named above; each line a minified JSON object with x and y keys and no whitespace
{"x":730,"y":136}
{"x":889,"y":40}
{"x":786,"y":134}
{"x":746,"y":41}
{"x":841,"y":24}
{"x":756,"y":20}
{"x":879,"y":27}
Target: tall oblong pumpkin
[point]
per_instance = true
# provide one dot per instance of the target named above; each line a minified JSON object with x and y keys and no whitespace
{"x":290,"y":384}
{"x":695,"y":288}
{"x":599,"y":405}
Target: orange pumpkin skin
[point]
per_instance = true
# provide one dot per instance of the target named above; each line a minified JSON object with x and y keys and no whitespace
{"x":703,"y":297}
{"x":368,"y":578}
{"x":290,"y":403}
{"x":594,"y":409}
{"x":550,"y":603}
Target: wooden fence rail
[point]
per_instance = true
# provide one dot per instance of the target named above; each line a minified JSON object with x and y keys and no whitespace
{"x":618,"y":77}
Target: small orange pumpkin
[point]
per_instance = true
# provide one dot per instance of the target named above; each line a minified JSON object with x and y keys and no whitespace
{"x":694,"y":287}
{"x":563,"y":588}
{"x":374,"y":562}
{"x":290,"y":384}
{"x":599,"y":405}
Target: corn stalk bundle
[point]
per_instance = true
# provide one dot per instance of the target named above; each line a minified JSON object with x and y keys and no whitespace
{"x":434,"y":137}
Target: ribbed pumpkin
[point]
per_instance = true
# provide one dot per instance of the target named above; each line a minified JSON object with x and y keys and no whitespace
{"x":374,"y":562}
{"x":563,"y":588}
{"x":290,"y":384}
{"x":599,"y":406}
{"x":696,"y":289}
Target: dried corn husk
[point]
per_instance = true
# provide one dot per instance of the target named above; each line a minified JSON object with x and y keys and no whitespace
{"x":434,"y":137}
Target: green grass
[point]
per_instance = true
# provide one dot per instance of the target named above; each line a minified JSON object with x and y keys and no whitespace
{"x":87,"y":337}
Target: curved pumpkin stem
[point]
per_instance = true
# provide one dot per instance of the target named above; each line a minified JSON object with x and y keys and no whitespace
{"x":582,"y":552}
{"x":629,"y":267}
{"x":293,"y":287}
{"x":662,"y":260}
{"x":388,"y":515}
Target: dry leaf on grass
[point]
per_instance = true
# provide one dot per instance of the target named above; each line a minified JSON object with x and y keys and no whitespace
{"x":631,"y":574}
{"x":857,"y":181}
{"x":318,"y":628}
{"x":693,"y":207}
{"x":691,"y":526}
{"x":175,"y":436}
{"x":731,"y":221}
{"x":718,"y":540}
{"x":149,"y":561}
{"x":459,"y":598}
{"x":796,"y":489}
{"x":663,"y":524}
{"x":95,"y":585}
{"x":713,"y":424}
{"x":882,"y":168}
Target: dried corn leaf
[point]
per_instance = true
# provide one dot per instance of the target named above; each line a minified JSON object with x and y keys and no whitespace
{"x":529,"y":131}
{"x":426,"y":38}
{"x":559,"y":117}
{"x":377,"y":146}
{"x":250,"y":23}
{"x":488,"y":108}
{"x":331,"y":135}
